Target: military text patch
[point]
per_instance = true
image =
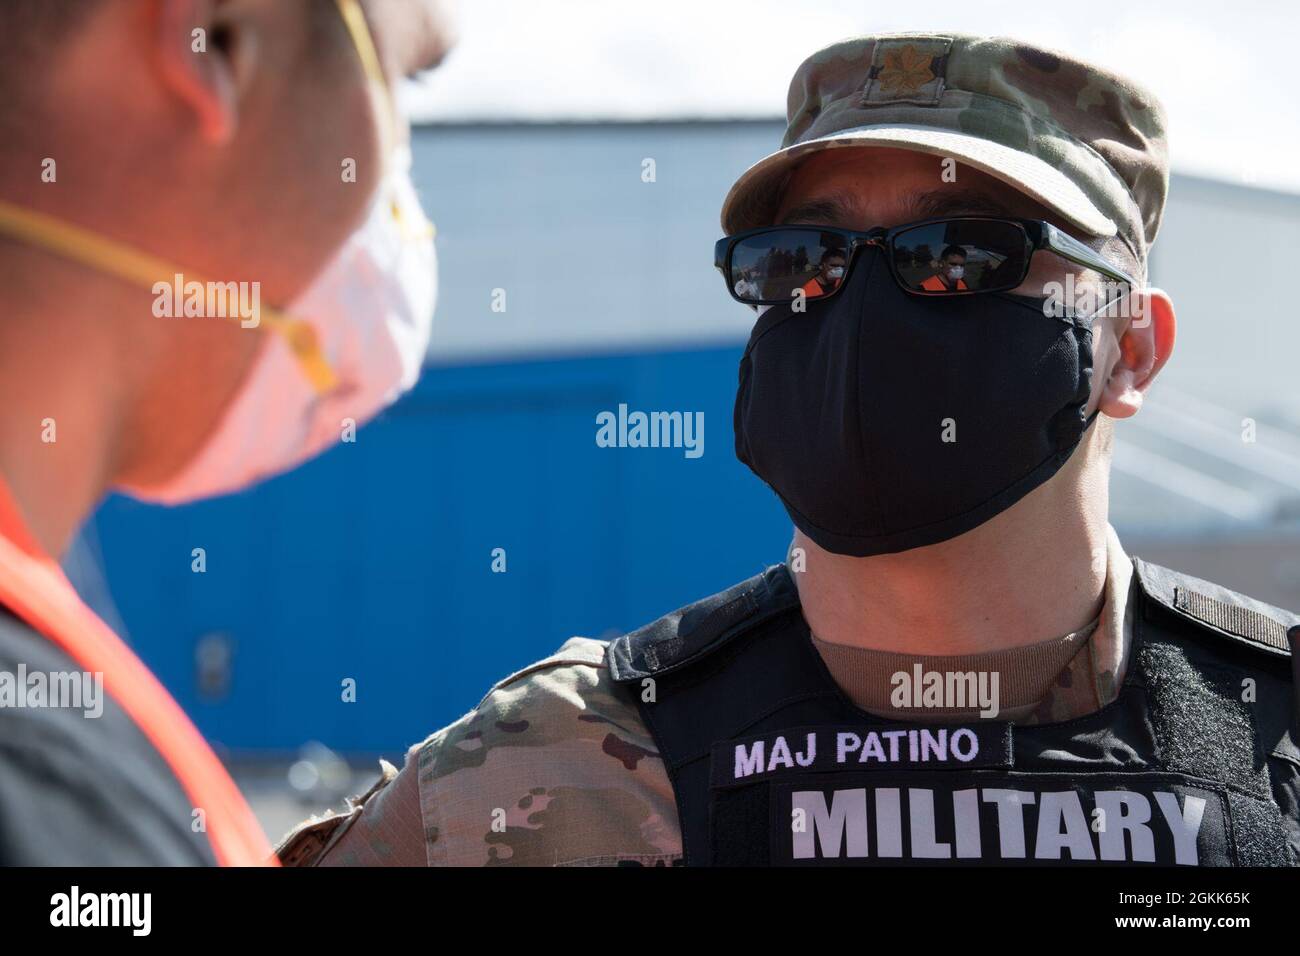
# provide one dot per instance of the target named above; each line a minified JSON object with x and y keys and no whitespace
{"x":999,"y":818}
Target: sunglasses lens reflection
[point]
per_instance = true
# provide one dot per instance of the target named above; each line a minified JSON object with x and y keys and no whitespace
{"x":773,"y":266}
{"x":970,"y":255}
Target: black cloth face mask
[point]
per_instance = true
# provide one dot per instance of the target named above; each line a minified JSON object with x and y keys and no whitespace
{"x":843,"y":409}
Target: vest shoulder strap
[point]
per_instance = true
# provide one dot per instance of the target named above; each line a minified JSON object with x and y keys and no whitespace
{"x":693,"y":632}
{"x":1217,"y":611}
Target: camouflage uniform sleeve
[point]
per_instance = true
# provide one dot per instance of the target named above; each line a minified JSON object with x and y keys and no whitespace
{"x":553,"y":768}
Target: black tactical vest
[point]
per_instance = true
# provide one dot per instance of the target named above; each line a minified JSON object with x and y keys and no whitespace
{"x":1195,"y":762}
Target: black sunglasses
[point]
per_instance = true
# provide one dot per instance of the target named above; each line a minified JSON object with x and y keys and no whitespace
{"x":955,"y":256}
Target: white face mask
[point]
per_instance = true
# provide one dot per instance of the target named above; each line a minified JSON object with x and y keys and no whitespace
{"x":371,"y":308}
{"x":956,"y":272}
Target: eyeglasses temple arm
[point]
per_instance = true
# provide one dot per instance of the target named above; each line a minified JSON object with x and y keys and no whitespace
{"x":1066,"y":245}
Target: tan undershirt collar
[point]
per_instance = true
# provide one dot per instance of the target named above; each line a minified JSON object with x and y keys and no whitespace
{"x":1016,"y":678}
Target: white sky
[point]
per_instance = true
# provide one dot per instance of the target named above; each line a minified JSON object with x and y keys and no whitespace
{"x":1224,"y":69}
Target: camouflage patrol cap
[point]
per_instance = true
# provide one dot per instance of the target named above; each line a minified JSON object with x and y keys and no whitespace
{"x":1084,"y":142}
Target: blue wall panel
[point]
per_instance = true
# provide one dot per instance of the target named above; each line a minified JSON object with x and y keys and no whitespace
{"x":374,"y":561}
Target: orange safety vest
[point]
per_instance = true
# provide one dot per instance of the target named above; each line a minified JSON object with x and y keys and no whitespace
{"x":34,"y":588}
{"x":936,"y":284}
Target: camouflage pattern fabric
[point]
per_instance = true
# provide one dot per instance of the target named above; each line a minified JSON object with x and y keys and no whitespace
{"x":553,"y":768}
{"x":1104,"y":132}
{"x":556,"y":768}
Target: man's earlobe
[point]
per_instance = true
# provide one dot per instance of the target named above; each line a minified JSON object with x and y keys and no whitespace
{"x":1146,"y":340}
{"x":197,"y":57}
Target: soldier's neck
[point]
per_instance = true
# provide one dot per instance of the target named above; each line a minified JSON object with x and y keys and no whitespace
{"x":1032,"y":573}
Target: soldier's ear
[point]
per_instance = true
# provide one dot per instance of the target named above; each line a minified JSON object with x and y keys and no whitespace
{"x":1145,"y":342}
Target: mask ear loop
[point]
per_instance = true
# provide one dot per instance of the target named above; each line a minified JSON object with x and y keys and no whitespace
{"x":1085,"y":325}
{"x":354,"y":19}
{"x":141,"y":269}
{"x":362,"y":39}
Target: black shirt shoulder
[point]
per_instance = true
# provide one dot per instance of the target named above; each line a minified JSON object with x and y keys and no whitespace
{"x":80,"y":785}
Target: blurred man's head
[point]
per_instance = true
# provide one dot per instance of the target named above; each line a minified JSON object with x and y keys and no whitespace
{"x":243,"y":140}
